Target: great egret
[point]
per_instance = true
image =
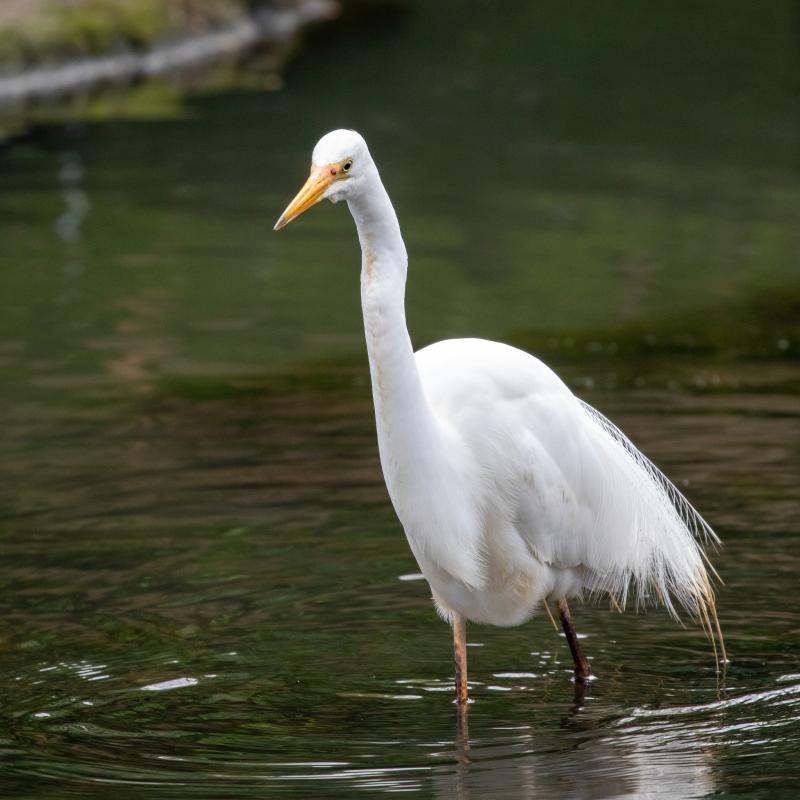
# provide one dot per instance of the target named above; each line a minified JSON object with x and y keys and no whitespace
{"x":510,"y":489}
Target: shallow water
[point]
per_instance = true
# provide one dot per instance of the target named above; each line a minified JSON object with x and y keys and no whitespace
{"x":205,"y":591}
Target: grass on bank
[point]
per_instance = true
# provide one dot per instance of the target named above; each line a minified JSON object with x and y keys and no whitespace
{"x":34,"y":32}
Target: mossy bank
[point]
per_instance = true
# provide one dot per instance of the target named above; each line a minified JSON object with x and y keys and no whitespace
{"x":57,"y":48}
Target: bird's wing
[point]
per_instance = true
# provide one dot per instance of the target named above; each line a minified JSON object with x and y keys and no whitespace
{"x":631,"y":528}
{"x":565,"y":479}
{"x":686,"y":511}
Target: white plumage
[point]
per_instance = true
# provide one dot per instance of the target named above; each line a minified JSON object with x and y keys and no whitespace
{"x":511,"y":490}
{"x":560,"y":501}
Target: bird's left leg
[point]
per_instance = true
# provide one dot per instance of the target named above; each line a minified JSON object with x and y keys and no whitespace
{"x":460,"y":657}
{"x":582,"y":670}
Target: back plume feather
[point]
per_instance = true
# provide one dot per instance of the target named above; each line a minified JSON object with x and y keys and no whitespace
{"x":669,"y":560}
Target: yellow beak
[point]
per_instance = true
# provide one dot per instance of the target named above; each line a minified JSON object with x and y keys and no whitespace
{"x":311,"y":193}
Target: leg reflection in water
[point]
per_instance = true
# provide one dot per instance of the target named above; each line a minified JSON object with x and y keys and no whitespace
{"x":594,"y":753}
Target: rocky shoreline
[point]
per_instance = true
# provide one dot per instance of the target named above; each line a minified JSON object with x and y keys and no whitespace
{"x":272,"y":26}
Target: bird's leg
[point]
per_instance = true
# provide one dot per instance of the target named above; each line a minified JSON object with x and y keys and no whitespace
{"x":460,"y":656}
{"x":462,"y":734}
{"x":578,"y":695}
{"x":582,"y":670}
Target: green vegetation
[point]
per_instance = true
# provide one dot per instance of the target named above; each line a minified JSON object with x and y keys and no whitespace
{"x":46,"y":30}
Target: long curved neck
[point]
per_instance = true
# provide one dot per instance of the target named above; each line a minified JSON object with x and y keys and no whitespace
{"x":405,"y":423}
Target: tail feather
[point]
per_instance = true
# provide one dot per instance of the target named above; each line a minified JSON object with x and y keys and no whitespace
{"x":669,"y":569}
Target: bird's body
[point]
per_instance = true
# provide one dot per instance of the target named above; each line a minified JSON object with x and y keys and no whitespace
{"x":536,"y":498}
{"x":496,"y":561}
{"x":511,"y":491}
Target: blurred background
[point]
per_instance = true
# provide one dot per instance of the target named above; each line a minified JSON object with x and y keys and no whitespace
{"x":205,"y":592}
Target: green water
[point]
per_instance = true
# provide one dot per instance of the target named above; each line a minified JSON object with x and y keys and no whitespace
{"x":205,"y":592}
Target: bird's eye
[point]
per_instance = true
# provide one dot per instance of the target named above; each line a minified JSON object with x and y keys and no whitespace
{"x":347,"y":165}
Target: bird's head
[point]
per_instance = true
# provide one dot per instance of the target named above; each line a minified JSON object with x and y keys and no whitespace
{"x":339,"y":164}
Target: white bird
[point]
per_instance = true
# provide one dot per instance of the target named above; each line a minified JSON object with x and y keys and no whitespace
{"x":510,"y":489}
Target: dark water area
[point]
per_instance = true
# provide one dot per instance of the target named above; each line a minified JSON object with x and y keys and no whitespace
{"x":205,"y":592}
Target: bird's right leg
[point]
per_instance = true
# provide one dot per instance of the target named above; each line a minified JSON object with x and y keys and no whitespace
{"x":582,"y":670}
{"x":460,"y":657}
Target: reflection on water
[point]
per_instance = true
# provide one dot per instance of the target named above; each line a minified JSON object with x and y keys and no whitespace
{"x":520,"y":763}
{"x":205,"y":593}
{"x":228,"y":741}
